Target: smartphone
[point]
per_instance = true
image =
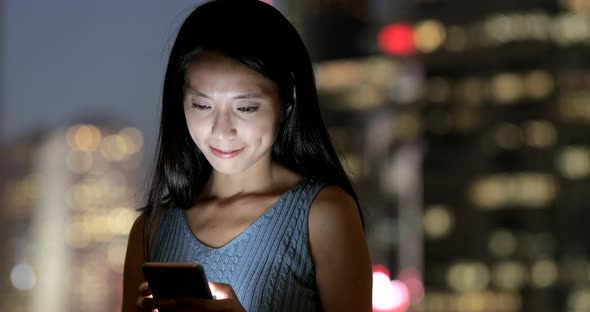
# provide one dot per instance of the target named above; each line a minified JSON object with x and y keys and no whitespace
{"x":173,"y":279}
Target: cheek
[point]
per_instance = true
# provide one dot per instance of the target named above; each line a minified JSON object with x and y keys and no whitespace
{"x":195,"y":128}
{"x":263,"y":131}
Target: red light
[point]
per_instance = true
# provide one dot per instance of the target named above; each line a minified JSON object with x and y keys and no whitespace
{"x":388,"y":295}
{"x":378,"y":268}
{"x":396,"y":39}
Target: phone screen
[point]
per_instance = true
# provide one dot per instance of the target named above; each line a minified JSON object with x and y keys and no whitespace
{"x":169,"y":280}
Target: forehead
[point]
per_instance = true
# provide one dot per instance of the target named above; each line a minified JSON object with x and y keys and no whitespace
{"x":216,"y":71}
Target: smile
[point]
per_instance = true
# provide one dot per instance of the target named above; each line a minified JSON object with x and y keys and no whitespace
{"x":225,"y":154}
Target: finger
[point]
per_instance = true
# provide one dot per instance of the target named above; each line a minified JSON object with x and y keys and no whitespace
{"x":144,"y":289}
{"x":140,"y":305}
{"x":190,"y":304}
{"x":149,"y":304}
{"x":222,"y":291}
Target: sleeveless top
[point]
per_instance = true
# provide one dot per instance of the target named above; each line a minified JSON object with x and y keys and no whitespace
{"x":268,"y":265}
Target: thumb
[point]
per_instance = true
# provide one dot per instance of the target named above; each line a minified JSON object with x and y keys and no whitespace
{"x":222,"y":291}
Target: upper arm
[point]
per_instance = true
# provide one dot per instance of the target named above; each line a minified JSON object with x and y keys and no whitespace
{"x":339,"y":252}
{"x":134,"y":259}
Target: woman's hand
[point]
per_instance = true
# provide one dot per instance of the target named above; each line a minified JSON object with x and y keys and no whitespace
{"x":225,"y":300}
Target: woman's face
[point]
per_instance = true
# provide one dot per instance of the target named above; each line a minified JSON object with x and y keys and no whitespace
{"x":231,"y":113}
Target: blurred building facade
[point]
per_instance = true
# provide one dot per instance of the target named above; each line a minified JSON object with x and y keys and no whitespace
{"x":68,"y":201}
{"x":465,"y":125}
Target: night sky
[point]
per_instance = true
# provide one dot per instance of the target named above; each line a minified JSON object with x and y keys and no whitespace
{"x":66,"y":61}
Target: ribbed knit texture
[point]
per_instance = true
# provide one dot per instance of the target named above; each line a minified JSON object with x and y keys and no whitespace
{"x":268,"y":264}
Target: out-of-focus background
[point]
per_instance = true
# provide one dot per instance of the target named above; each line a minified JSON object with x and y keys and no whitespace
{"x":464,"y":125}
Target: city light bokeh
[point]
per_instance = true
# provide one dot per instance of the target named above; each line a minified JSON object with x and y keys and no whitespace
{"x":464,"y":130}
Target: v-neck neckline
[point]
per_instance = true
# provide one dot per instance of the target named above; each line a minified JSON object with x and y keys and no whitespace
{"x":256,"y":223}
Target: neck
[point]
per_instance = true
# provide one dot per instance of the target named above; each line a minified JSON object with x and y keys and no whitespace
{"x":250,"y":182}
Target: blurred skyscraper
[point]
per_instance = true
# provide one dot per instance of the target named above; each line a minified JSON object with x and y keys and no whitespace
{"x":466,"y":128}
{"x":68,"y":201}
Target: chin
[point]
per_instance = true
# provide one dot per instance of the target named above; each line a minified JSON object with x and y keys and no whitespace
{"x":227,"y":169}
{"x":227,"y":172}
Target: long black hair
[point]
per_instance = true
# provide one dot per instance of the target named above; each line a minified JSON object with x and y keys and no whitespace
{"x":259,"y":36}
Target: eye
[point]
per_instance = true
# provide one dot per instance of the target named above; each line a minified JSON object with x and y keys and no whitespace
{"x":248,"y":109}
{"x":201,"y":106}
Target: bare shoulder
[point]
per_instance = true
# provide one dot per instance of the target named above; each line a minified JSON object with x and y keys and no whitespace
{"x":139,"y":223}
{"x":332,"y":194}
{"x":339,"y":252}
{"x":333,"y":206}
{"x":137,"y":248}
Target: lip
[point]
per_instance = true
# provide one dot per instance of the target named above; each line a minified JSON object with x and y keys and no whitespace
{"x":225,"y":154}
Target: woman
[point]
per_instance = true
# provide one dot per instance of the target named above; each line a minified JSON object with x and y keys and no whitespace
{"x":246,"y":182}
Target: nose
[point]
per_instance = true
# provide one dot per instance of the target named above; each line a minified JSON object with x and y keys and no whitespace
{"x":223,"y":126}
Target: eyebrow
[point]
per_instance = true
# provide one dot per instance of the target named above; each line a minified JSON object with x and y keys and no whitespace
{"x":245,"y":96}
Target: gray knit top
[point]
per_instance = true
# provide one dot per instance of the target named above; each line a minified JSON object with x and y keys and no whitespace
{"x":268,"y":265}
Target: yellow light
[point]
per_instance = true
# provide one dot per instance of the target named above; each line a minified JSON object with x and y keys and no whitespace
{"x":539,"y":84}
{"x":571,"y":28}
{"x":538,"y":26}
{"x":565,"y":109}
{"x":85,"y":138}
{"x":579,"y":299}
{"x":509,"y":275}
{"x":97,"y":225}
{"x":572,"y":106}
{"x":383,"y":72}
{"x":429,"y":35}
{"x":365,"y":96}
{"x":474,"y":301}
{"x":574,"y":162}
{"x":120,"y":220}
{"x":438,"y":221}
{"x":577,"y":6}
{"x":340,"y":74}
{"x":534,"y":190}
{"x":543,"y":273}
{"x":478,"y":301}
{"x":134,"y":138}
{"x":500,"y":28}
{"x":525,"y":189}
{"x":116,"y":147}
{"x":468,"y":276}
{"x":540,"y":133}
{"x":507,"y":88}
{"x":490,"y":193}
{"x":502,"y":243}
